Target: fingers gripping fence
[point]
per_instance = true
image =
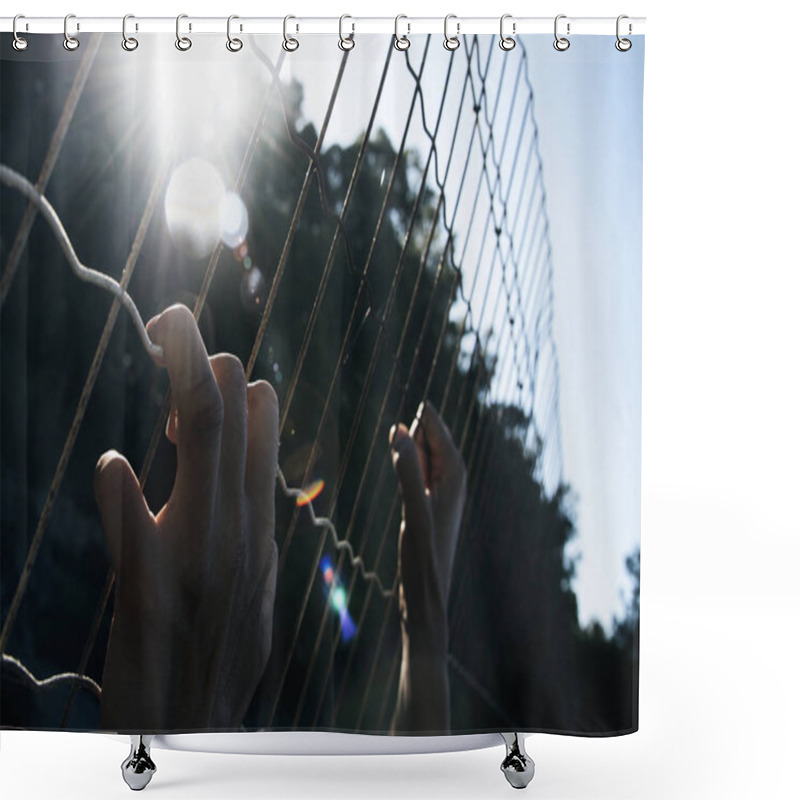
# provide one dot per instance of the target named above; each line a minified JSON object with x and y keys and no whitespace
{"x":474,"y":337}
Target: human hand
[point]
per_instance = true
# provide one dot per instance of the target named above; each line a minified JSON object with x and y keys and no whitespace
{"x":195,"y":583}
{"x":433,"y":484}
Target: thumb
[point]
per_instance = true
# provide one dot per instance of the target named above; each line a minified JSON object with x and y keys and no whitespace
{"x":408,"y":469}
{"x":121,"y":503}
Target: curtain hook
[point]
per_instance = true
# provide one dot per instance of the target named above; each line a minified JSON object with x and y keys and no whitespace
{"x":129,"y":43}
{"x":19,"y":42}
{"x":623,"y":45}
{"x":346,"y":42}
{"x":451,"y":42}
{"x":183,"y":43}
{"x":234,"y":45}
{"x":561,"y":43}
{"x":507,"y":42}
{"x":401,"y":42}
{"x":70,"y":42}
{"x":290,"y":44}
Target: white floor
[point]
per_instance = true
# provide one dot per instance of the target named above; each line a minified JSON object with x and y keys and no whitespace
{"x":718,"y":720}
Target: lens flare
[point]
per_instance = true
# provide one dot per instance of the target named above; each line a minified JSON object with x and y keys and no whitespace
{"x":233,"y":220}
{"x":191,"y":204}
{"x":348,"y":626}
{"x":337,"y":597}
{"x":311,"y":493}
{"x":253,"y":289}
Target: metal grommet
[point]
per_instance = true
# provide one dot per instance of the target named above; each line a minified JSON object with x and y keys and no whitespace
{"x":451,"y":42}
{"x":561,"y":43}
{"x":401,"y":42}
{"x":19,"y":43}
{"x":234,"y":45}
{"x":346,"y":42}
{"x":183,"y":43}
{"x":70,"y":42}
{"x":129,"y":43}
{"x":507,"y":42}
{"x":623,"y":45}
{"x":290,"y":44}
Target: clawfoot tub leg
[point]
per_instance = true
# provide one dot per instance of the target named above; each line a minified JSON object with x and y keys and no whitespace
{"x":517,"y":766}
{"x":138,"y":768}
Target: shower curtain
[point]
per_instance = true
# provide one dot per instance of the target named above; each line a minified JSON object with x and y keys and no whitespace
{"x":350,"y":439}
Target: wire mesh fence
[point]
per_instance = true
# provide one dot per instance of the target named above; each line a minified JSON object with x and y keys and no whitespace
{"x":390,"y":274}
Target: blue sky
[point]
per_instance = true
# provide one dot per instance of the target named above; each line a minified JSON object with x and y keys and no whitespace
{"x":589,"y":110}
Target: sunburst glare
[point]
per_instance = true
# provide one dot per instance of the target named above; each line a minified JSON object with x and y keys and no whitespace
{"x":233,"y":220}
{"x":192,"y":204}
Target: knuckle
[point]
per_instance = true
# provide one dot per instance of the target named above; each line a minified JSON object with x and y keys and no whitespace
{"x":262,"y":393}
{"x":207,"y":411}
{"x":229,"y":372}
{"x":263,"y":399}
{"x":179,"y":316}
{"x":176,"y":322}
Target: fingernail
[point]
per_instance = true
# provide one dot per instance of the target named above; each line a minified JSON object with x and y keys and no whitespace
{"x":105,"y":459}
{"x":398,"y":433}
{"x":392,"y":434}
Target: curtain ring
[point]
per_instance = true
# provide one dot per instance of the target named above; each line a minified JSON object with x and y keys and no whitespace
{"x":451,"y":42}
{"x":70,"y":42}
{"x":183,"y":43}
{"x":290,"y":44}
{"x":346,"y":42}
{"x":507,"y":42}
{"x":233,"y":44}
{"x":561,"y":43}
{"x":401,"y":42}
{"x":623,"y":45}
{"x":129,"y":43}
{"x":19,"y":42}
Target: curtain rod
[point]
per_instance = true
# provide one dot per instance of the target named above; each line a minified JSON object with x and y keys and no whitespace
{"x":324,"y":25}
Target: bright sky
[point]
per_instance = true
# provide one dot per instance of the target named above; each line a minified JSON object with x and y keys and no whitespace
{"x":589,"y":110}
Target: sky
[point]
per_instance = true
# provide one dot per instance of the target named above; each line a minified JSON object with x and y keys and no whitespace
{"x":589,"y":110}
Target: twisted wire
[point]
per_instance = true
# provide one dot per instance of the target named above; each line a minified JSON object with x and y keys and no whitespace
{"x":120,"y":293}
{"x":50,"y":160}
{"x":341,"y":544}
{"x":74,"y":679}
